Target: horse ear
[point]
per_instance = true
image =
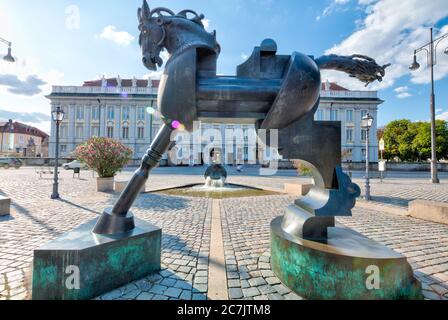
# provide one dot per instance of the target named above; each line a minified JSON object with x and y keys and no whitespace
{"x":145,"y":12}
{"x":139,"y":15}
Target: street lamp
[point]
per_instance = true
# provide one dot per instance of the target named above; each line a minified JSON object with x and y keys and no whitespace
{"x":431,"y":59}
{"x":366,"y":123}
{"x":58,"y":115}
{"x":8,"y":57}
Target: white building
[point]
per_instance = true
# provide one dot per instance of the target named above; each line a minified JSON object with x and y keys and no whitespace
{"x":117,"y":109}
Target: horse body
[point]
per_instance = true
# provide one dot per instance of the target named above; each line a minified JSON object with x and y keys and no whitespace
{"x":270,"y":90}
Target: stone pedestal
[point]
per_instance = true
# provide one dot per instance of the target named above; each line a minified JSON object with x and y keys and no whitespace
{"x":5,"y":206}
{"x":105,"y":184}
{"x":82,"y":265}
{"x":434,"y":211}
{"x":348,"y":266}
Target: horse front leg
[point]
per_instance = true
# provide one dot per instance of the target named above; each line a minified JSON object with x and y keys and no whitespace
{"x":119,"y":219}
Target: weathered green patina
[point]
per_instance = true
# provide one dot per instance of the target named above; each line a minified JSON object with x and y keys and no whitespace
{"x":340,"y":268}
{"x":104,"y":262}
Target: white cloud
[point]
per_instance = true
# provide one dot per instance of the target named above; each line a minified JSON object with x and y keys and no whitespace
{"x":403,"y":95}
{"x":121,"y":38}
{"x":29,"y":88}
{"x":389,"y":34}
{"x":207,"y":24}
{"x":442,"y":116}
{"x":401,"y":89}
{"x":244,"y":56}
{"x":334,"y":6}
{"x":402,"y":92}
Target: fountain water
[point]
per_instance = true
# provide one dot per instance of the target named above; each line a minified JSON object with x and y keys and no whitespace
{"x":215,"y":176}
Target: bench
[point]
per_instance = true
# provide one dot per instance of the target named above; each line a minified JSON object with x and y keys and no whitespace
{"x":121,"y":184}
{"x":44,"y":170}
{"x":429,"y":210}
{"x":5,"y":206}
{"x":297,"y":189}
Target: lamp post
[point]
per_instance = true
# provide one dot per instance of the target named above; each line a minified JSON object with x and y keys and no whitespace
{"x":431,"y":59}
{"x":8,"y":57}
{"x":366,"y":123}
{"x":57,"y":115}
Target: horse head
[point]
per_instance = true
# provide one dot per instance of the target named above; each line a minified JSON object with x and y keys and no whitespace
{"x":172,"y":32}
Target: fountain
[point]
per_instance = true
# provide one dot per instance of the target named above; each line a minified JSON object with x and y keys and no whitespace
{"x":215,"y":176}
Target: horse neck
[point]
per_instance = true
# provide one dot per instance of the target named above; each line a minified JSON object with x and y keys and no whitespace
{"x":181,"y":38}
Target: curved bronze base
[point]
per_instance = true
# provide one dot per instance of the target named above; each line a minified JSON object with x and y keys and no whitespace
{"x":348,"y":267}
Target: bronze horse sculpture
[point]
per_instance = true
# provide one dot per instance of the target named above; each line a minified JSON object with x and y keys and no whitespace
{"x":273,"y":91}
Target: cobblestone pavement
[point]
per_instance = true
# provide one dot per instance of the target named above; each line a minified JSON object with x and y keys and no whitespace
{"x":246,"y":238}
{"x":399,"y":192}
{"x":36,"y":219}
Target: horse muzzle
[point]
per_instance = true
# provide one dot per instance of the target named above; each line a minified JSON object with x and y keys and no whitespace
{"x":149,"y":63}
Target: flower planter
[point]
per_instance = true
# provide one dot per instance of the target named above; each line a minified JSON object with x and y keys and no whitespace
{"x":105,"y":184}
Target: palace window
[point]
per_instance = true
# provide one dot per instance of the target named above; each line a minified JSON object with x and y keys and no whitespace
{"x":363,"y":134}
{"x":110,"y":113}
{"x":110,"y":132}
{"x":62,"y":148}
{"x":79,"y":132}
{"x":349,"y":115}
{"x":95,"y":113}
{"x":125,"y":115}
{"x":140,"y":133}
{"x":79,"y":113}
{"x":140,"y":113}
{"x":63,"y":131}
{"x":320,"y":115}
{"x":66,"y":113}
{"x":349,"y":134}
{"x":333,"y":115}
{"x":95,"y":131}
{"x":125,"y":133}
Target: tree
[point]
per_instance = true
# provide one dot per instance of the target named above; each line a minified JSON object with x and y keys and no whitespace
{"x":398,"y":138}
{"x":411,"y":141}
{"x":422,"y":140}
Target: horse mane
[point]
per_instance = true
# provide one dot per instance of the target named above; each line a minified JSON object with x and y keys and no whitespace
{"x":182,"y":14}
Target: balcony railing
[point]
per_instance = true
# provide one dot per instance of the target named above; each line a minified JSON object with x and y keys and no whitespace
{"x":107,"y":90}
{"x":349,"y":94}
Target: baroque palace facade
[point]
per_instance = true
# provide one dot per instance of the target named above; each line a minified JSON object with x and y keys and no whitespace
{"x":118,"y":109}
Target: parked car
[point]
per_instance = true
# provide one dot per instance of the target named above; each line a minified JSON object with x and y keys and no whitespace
{"x":72,"y":165}
{"x":10,"y":162}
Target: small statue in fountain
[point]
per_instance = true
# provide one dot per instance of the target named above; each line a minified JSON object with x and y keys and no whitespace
{"x":215,"y":175}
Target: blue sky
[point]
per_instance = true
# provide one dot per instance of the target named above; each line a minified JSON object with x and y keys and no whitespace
{"x":67,"y":42}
